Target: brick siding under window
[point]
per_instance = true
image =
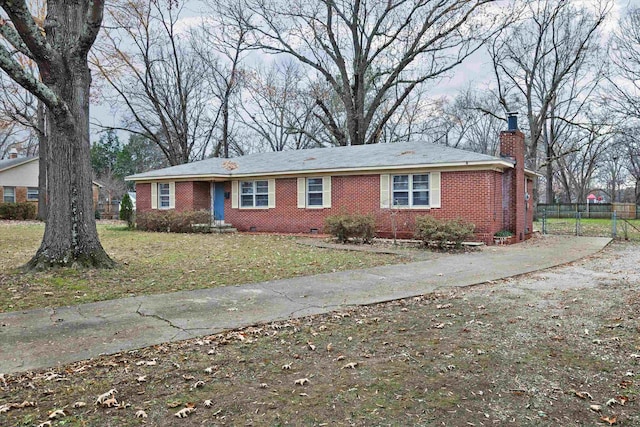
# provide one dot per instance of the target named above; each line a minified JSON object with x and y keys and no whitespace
{"x":361,"y":194}
{"x":476,"y":196}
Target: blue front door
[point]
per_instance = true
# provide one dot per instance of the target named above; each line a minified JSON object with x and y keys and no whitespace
{"x":218,"y":201}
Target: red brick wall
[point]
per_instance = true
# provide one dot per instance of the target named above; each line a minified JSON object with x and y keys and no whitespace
{"x":184,"y":196}
{"x":21,"y":194}
{"x":143,"y":197}
{"x":202,"y":195}
{"x":475,"y":196}
{"x":190,"y":195}
{"x":513,"y":205}
{"x":193,"y":195}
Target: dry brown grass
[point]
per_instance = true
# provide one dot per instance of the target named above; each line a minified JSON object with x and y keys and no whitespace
{"x":538,"y":350}
{"x":150,"y":263}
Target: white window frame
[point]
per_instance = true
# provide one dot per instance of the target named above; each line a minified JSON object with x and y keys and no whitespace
{"x":434,"y":191}
{"x":304,"y":194}
{"x":30,"y":194}
{"x":13,"y":195}
{"x":411,"y":191}
{"x":315,"y":182}
{"x":164,"y":199}
{"x":254,"y":194}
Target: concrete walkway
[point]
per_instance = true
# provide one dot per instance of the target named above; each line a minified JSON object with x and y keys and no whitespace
{"x":48,"y":337}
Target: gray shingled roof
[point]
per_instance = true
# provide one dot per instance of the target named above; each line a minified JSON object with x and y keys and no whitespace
{"x":8,"y":163}
{"x":378,"y":156}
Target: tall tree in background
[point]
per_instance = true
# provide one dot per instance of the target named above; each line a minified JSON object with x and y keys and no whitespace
{"x":625,"y":75}
{"x":578,"y":166}
{"x":537,"y":58}
{"x":25,"y":116}
{"x":112,"y":160}
{"x":221,"y":44}
{"x":138,"y":155}
{"x":472,"y":121}
{"x":369,"y":50}
{"x":632,"y":153}
{"x":59,"y":46}
{"x":278,"y":109}
{"x":154,"y":71}
{"x":27,"y":113}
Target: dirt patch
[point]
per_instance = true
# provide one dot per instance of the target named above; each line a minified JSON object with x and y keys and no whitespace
{"x":558,"y":347}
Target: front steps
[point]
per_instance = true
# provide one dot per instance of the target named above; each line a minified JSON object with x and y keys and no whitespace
{"x":223,"y":228}
{"x":217,"y":227}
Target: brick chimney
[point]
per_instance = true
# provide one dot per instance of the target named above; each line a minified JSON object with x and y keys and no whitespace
{"x":13,"y":153}
{"x":513,"y":180}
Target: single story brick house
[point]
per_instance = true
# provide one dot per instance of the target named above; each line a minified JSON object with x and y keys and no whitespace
{"x":294,"y":191}
{"x":19,"y":181}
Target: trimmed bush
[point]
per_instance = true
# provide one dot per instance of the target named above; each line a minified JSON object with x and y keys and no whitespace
{"x":351,"y":226}
{"x":172,"y":221}
{"x":18,"y":211}
{"x":126,"y":210}
{"x":442,"y":232}
{"x":503,"y":233}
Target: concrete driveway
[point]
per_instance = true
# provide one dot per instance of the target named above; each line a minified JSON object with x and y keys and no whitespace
{"x":49,"y":337}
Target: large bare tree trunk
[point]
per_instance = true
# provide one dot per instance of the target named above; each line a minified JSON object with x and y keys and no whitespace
{"x":70,"y":236}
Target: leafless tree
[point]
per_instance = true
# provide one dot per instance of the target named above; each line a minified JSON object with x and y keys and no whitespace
{"x":633,"y":166}
{"x":624,"y":78}
{"x":278,"y":109}
{"x":18,"y":110}
{"x":367,"y":49}
{"x":472,"y":121}
{"x":63,"y":81}
{"x":9,"y":135}
{"x":578,"y":168}
{"x":409,"y":120}
{"x":626,"y":148}
{"x":624,"y":93}
{"x":536,"y":60}
{"x":221,"y":43}
{"x":613,"y":172}
{"x":149,"y":63}
{"x":26,"y":115}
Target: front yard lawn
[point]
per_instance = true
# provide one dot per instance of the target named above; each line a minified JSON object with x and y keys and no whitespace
{"x":152,"y":263}
{"x":554,"y":348}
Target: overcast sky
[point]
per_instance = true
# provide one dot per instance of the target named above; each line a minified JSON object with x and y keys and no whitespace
{"x":475,"y":71}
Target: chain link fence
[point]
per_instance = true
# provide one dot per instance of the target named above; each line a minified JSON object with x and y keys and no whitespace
{"x":578,"y":224}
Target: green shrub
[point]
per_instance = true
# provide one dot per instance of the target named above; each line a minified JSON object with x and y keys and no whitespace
{"x":443,"y":232}
{"x":351,"y":226}
{"x":503,"y":233}
{"x":126,"y":210}
{"x":172,"y":221}
{"x":18,"y":211}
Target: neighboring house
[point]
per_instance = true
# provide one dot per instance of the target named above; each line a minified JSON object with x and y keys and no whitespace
{"x":19,"y":181}
{"x":294,"y":191}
